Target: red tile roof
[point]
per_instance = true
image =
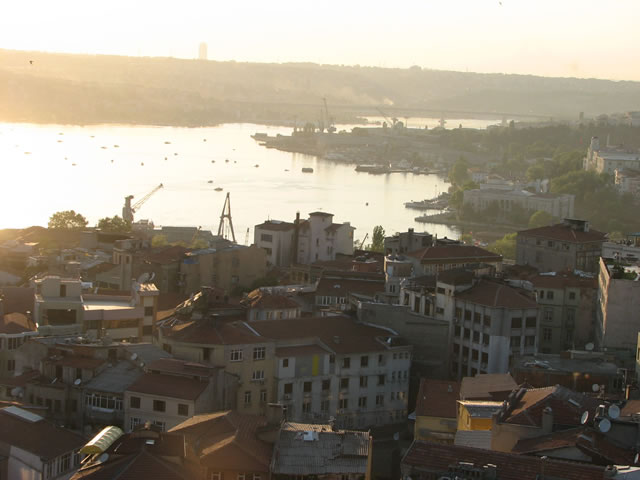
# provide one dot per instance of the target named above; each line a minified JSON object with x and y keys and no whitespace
{"x":76,"y":361}
{"x":340,"y":286}
{"x":172,"y":386}
{"x":41,"y":438}
{"x":423,"y":457}
{"x":269,"y":301}
{"x":228,"y":441}
{"x":563,"y":280}
{"x":180,"y":367}
{"x":487,"y":386}
{"x":15,"y":323}
{"x":437,"y":398}
{"x":559,"y":439}
{"x":494,"y":294}
{"x":567,"y":407}
{"x":459,"y":253}
{"x":564,"y":233}
{"x":275,"y":226}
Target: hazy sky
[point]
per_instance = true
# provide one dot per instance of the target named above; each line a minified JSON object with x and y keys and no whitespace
{"x":546,"y":37}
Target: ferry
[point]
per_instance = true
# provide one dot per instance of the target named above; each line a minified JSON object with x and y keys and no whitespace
{"x":307,"y":170}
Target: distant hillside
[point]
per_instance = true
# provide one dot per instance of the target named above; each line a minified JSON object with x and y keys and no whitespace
{"x":91,"y":89}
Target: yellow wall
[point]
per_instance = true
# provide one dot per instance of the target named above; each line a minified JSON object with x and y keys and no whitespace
{"x":468,"y":423}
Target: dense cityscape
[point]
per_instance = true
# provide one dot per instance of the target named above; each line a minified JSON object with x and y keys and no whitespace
{"x":252,"y":261}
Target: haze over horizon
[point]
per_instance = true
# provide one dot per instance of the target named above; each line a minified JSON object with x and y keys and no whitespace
{"x":558,"y":39}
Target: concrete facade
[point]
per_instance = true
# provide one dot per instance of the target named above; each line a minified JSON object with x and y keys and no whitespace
{"x":557,"y":205}
{"x":607,"y":160}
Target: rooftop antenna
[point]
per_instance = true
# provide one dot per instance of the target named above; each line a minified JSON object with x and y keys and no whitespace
{"x":226,"y":213}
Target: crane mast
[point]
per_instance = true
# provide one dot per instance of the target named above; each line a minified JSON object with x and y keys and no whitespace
{"x":128,"y":210}
{"x":226,"y":213}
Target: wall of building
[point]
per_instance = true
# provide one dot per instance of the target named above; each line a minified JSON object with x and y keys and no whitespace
{"x":424,"y":425}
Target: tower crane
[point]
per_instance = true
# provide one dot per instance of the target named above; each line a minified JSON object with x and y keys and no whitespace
{"x":391,"y":122}
{"x":128,"y":210}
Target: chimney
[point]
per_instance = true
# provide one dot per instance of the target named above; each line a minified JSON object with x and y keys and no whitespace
{"x":296,"y":237}
{"x":547,"y":420}
{"x":275,"y":414}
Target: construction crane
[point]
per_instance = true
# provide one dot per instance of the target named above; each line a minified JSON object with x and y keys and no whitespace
{"x":364,"y":240}
{"x":391,"y":122}
{"x":195,"y":235}
{"x":226,"y":213}
{"x":329,"y":121}
{"x":128,"y":210}
{"x":246,"y":238}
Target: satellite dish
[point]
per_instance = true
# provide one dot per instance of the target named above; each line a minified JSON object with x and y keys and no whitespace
{"x":134,"y":356}
{"x":102,"y":458}
{"x":595,"y":387}
{"x":589,"y":347}
{"x":614,"y":412}
{"x":396,"y":436}
{"x":77,"y":381}
{"x":153,"y":275}
{"x":636,"y":458}
{"x":605,"y":425}
{"x":585,"y":418}
{"x":144,"y":278}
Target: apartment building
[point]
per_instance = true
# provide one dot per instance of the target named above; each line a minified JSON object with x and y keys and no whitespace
{"x":15,"y":329}
{"x":570,"y":245}
{"x":618,"y":307}
{"x":438,"y":258}
{"x":608,"y":159}
{"x":556,"y":205}
{"x":171,"y":391}
{"x":405,"y":242}
{"x":331,"y":349}
{"x":304,"y":241}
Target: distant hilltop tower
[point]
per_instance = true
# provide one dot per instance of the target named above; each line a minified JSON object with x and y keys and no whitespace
{"x":202,"y":51}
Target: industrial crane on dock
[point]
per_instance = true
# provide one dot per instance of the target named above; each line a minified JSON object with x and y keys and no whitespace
{"x":226,"y":213}
{"x":128,"y":210}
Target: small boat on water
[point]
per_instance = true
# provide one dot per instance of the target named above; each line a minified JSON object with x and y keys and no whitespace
{"x":307,"y":170}
{"x":218,"y":189}
{"x":365,"y":168}
{"x":116,"y":146}
{"x":27,"y":153}
{"x":226,"y":160}
{"x":167,"y":143}
{"x":213,"y":161}
{"x":210,"y":181}
{"x":256,"y":165}
{"x":259,"y":136}
{"x":103,"y":147}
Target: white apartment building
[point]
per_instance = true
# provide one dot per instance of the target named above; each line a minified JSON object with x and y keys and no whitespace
{"x":607,"y":161}
{"x":360,"y":382}
{"x":318,"y":239}
{"x":557,"y":205}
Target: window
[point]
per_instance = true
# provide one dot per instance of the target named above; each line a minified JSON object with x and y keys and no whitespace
{"x":241,"y":476}
{"x":381,"y":360}
{"x":532,"y":322}
{"x":346,"y":362}
{"x":159,"y":405}
{"x":393,"y":376}
{"x":572,"y":295}
{"x":467,"y":314}
{"x":215,"y":476}
{"x":306,"y":387}
{"x":236,"y":355}
{"x":363,"y":381}
{"x":546,"y":334}
{"x":541,"y":293}
{"x":134,"y":402}
{"x":515,"y":342}
{"x":263,"y":396}
{"x":458,"y":313}
{"x":332,"y":358}
{"x":324,"y":406}
{"x":206,"y":354}
{"x":285,"y":363}
{"x":64,"y":463}
{"x":550,"y":295}
{"x":306,"y":406}
{"x":380,"y":379}
{"x":364,"y":361}
{"x":63,"y":290}
{"x":258,"y":353}
{"x":529,"y":341}
{"x":288,"y":388}
{"x":477,"y":317}
{"x":13,"y":343}
{"x":247,"y":398}
{"x":265,"y":237}
{"x":148,"y":311}
{"x":134,"y":422}
{"x":11,"y":365}
{"x":476,"y":337}
{"x":362,"y":402}
{"x":257,"y":375}
{"x":183,"y":409}
{"x":326,"y":385}
{"x":486,"y":320}
{"x":344,"y":384}
{"x":548,"y":315}
{"x":344,"y":403}
{"x":516,"y":322}
{"x":379,"y":400}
